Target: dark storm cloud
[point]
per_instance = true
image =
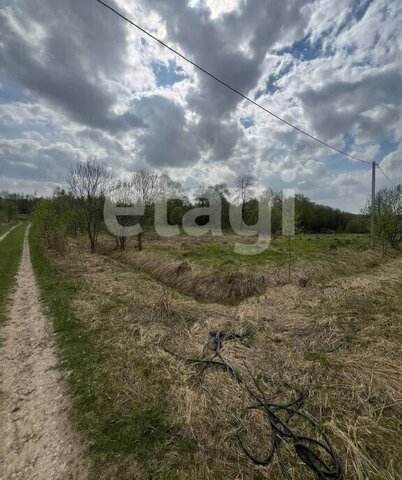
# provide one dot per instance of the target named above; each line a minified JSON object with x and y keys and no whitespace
{"x":168,"y":141}
{"x":340,"y":106}
{"x":27,"y":159}
{"x":63,"y":51}
{"x":218,"y":137}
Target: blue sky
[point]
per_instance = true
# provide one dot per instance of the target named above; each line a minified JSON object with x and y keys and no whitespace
{"x":167,"y":74}
{"x":76,"y":81}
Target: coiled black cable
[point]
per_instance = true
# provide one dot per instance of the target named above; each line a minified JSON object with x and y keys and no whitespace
{"x":317,"y":455}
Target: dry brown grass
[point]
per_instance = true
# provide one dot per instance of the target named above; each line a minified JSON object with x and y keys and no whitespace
{"x":163,"y":260}
{"x":340,"y":342}
{"x":208,"y":285}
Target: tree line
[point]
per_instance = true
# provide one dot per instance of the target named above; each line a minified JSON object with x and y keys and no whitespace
{"x":14,"y":204}
{"x":79,"y":208}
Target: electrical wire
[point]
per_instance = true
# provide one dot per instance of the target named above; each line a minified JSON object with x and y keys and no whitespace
{"x":386,"y":176}
{"x":318,"y":456}
{"x":245,"y":97}
{"x":222,"y":82}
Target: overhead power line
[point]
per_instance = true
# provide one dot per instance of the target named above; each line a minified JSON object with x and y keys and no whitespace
{"x":386,"y":176}
{"x":211,"y":75}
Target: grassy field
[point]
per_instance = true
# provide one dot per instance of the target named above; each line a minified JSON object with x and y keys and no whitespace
{"x":10,"y":252}
{"x":5,"y":226}
{"x":217,"y":252}
{"x":208,"y":268}
{"x":146,"y":413}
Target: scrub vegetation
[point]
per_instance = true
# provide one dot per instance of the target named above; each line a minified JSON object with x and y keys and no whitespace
{"x":312,"y":323}
{"x":146,"y":413}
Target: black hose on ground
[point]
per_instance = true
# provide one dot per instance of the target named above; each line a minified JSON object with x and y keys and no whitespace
{"x":317,"y":455}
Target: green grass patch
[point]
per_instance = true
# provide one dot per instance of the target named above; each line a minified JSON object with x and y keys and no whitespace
{"x":4,"y":227}
{"x":10,"y":253}
{"x":218,"y":252}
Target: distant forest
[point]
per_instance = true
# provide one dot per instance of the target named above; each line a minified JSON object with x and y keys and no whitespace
{"x":310,"y":216}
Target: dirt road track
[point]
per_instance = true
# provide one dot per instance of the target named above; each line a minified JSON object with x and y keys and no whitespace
{"x":37,"y":439}
{"x":9,"y":231}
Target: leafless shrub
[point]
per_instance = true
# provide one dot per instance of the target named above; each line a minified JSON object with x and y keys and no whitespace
{"x":89,"y":182}
{"x":244,"y":188}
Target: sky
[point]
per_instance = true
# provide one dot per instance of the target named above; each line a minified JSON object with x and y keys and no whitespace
{"x":76,"y":81}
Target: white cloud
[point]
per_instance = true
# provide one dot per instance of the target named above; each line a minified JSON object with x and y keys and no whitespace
{"x":91,"y":89}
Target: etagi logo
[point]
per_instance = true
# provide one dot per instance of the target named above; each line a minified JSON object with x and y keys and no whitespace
{"x":119,"y":205}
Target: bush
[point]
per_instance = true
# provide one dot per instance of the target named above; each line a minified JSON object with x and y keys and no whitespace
{"x":176,"y":216}
{"x":55,"y":219}
{"x":326,"y":231}
{"x":50,"y":226}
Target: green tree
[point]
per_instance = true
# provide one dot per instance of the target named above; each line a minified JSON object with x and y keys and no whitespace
{"x":388,"y":217}
{"x":223,"y":191}
{"x":50,"y":220}
{"x":10,"y":209}
{"x":176,"y":216}
{"x":357,"y":224}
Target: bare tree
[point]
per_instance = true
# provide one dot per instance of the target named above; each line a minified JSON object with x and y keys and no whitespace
{"x":145,"y":187}
{"x":89,"y":182}
{"x":173,"y":188}
{"x":244,"y":188}
{"x":122,"y":194}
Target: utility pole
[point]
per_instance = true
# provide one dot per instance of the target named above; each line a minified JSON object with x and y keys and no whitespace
{"x":372,"y":205}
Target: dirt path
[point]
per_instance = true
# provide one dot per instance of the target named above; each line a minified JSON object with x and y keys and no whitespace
{"x":37,"y":439}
